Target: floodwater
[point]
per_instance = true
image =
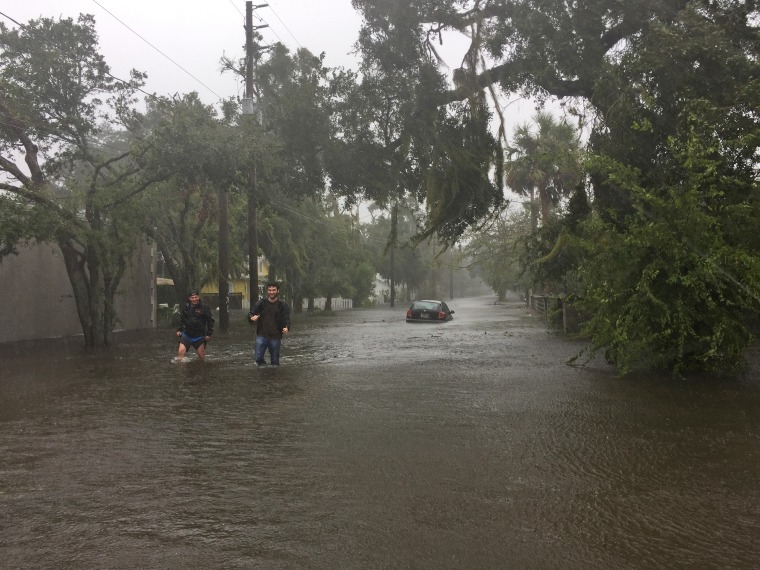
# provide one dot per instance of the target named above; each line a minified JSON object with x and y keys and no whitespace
{"x":376,"y":444}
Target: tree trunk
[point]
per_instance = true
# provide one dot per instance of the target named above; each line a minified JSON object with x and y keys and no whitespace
{"x":295,"y":286}
{"x":533,"y":211}
{"x":77,"y":277}
{"x":112,"y":279}
{"x":87,"y":283}
{"x":546,"y":205}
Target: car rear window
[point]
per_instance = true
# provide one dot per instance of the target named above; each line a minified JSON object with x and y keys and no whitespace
{"x":426,"y":305}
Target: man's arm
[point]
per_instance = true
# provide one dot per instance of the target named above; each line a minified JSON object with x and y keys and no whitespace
{"x":255,"y":311}
{"x":286,"y":314}
{"x":182,"y":319}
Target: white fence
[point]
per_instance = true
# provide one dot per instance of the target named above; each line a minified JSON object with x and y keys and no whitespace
{"x":338,"y":303}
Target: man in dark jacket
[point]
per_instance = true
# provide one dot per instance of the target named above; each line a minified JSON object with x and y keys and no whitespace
{"x":272,"y":318}
{"x":196,"y":328}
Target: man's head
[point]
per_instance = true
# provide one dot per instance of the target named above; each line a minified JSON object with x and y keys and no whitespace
{"x":194,"y":297}
{"x":273,"y":290}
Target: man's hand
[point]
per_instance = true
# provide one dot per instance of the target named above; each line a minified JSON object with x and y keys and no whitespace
{"x":285,"y":330}
{"x":179,"y":333}
{"x":254,"y":318}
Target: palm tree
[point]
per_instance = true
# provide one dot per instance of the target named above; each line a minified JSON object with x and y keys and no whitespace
{"x":546,"y":161}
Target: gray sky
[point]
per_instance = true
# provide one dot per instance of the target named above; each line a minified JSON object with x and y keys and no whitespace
{"x":190,"y":36}
{"x":178,"y":43}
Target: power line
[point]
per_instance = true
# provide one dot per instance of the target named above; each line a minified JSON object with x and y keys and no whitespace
{"x":236,"y":8}
{"x":152,"y":95}
{"x":270,"y":28}
{"x":158,"y":50}
{"x":52,"y":45}
{"x":11,"y":19}
{"x":286,"y":27}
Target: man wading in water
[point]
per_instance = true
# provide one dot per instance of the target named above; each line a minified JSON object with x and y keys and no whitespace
{"x":196,"y":328}
{"x":272,"y":318}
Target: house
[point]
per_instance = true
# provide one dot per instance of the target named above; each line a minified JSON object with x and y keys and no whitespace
{"x":239,"y":290}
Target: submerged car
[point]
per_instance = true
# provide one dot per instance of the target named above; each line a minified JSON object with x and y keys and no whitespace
{"x":428,"y":311}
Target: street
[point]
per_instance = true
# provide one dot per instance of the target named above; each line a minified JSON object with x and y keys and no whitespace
{"x":376,"y":444}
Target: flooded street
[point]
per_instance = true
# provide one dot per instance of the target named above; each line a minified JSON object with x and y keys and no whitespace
{"x":376,"y":444}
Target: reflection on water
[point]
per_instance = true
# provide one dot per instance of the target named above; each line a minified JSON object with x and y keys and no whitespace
{"x":376,"y":444}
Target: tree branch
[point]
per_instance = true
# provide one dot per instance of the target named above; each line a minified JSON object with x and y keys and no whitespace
{"x":11,"y":168}
{"x":16,"y":128}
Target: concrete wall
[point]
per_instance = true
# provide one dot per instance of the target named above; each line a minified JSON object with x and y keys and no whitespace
{"x":39,"y":301}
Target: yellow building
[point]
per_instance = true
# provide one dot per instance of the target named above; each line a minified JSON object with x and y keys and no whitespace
{"x":239,"y":294}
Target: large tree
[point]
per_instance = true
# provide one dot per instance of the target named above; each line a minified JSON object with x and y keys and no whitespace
{"x":68,"y":169}
{"x":670,"y":93}
{"x":285,"y":145}
{"x":202,"y":153}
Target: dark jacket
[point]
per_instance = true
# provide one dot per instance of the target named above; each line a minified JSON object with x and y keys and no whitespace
{"x":197,"y":320}
{"x":283,"y":314}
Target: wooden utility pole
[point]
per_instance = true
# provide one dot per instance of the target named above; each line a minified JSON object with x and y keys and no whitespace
{"x":394,"y":229}
{"x":253,"y":239}
{"x":224,"y":261}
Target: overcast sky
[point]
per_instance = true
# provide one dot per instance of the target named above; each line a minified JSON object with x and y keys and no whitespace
{"x":179,"y":42}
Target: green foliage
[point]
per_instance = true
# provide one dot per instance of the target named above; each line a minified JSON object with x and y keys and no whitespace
{"x":669,"y":262}
{"x":361,"y":277}
{"x":59,"y":101}
{"x":334,"y":261}
{"x":494,"y":251}
{"x":294,"y":94}
{"x":410,"y":267}
{"x":459,"y":192}
{"x":673,"y":291}
{"x":545,"y":164}
{"x":198,"y":154}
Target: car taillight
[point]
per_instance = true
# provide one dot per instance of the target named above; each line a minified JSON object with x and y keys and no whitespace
{"x":441,"y":315}
{"x":409,"y":313}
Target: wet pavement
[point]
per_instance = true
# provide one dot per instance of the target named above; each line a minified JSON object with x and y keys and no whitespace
{"x":376,"y":444}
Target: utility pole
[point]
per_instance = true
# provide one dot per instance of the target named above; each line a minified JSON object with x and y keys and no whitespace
{"x":394,"y":235}
{"x":253,"y":239}
{"x":224,"y":261}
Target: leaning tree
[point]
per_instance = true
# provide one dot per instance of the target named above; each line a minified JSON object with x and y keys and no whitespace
{"x":65,"y":152}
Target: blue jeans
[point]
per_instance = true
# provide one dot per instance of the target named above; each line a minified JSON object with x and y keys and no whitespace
{"x":273,"y":344}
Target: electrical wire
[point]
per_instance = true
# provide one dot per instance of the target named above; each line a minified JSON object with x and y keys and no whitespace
{"x":158,"y":50}
{"x":11,"y":19}
{"x":236,"y":8}
{"x":286,"y":27}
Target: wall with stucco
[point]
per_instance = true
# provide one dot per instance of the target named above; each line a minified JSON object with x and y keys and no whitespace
{"x":39,"y":301}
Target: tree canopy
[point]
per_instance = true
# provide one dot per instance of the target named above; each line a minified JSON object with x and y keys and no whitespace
{"x":670,"y":268}
{"x":66,"y":156}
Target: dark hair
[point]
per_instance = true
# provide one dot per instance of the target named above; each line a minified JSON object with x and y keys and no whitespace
{"x":194,"y":292}
{"x":273,"y":284}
